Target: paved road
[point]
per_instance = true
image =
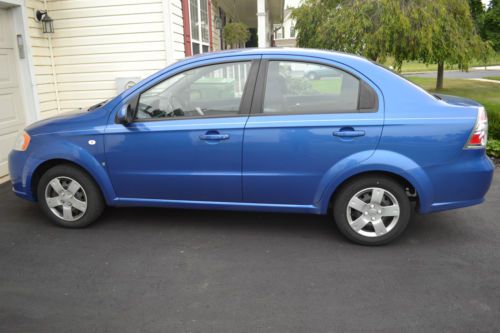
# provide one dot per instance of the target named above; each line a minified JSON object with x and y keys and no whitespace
{"x":156,"y":270}
{"x":473,"y":74}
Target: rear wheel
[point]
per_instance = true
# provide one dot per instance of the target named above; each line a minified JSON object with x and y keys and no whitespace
{"x":372,"y":210}
{"x":69,"y":196}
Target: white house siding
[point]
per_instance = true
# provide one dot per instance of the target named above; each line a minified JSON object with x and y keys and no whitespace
{"x":97,"y":41}
{"x":41,"y":60}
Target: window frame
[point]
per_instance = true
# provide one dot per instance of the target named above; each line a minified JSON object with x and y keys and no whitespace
{"x":257,"y":108}
{"x":245,"y":102}
{"x":199,"y":41}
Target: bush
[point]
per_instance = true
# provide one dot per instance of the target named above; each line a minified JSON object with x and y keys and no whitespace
{"x":236,"y":34}
{"x":493,"y":148}
{"x":494,"y":125}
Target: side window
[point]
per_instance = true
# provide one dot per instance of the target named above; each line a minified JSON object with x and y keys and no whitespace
{"x":208,"y":91}
{"x":300,"y":87}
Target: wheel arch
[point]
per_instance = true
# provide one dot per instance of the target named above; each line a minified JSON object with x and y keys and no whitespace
{"x":400,"y":168}
{"x":102,"y":183}
{"x":407,"y":185}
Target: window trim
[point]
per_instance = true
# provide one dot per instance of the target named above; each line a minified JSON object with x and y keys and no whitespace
{"x":260,"y":89}
{"x":199,"y":41}
{"x":245,"y":103}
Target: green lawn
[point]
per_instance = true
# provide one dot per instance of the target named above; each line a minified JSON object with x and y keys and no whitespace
{"x":496,"y":78}
{"x":327,"y":85}
{"x":416,"y":66}
{"x":486,"y":93}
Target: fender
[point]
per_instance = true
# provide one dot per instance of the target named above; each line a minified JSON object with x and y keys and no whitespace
{"x":72,"y":152}
{"x":380,"y":160}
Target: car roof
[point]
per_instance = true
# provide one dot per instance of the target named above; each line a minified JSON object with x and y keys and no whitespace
{"x":286,"y":51}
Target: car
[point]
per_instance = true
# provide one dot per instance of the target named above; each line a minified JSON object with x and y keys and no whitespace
{"x":317,"y":72}
{"x":239,"y":130}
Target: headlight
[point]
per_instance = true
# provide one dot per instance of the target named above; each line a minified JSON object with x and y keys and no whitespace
{"x":22,"y":142}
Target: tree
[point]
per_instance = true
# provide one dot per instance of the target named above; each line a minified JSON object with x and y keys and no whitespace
{"x":236,"y":34}
{"x":431,"y":31}
{"x":477,"y":12}
{"x":454,"y":41}
{"x":492,"y":24}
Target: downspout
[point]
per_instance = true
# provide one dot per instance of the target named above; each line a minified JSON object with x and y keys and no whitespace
{"x":53,"y":67}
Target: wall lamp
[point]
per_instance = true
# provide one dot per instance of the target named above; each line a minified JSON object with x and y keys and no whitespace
{"x":47,"y":22}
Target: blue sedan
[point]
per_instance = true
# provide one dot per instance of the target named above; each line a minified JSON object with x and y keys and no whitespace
{"x":249,"y":130}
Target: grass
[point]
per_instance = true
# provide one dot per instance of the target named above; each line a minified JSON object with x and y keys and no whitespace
{"x":327,"y":85}
{"x":416,"y":66}
{"x":486,"y":93}
{"x":496,"y":78}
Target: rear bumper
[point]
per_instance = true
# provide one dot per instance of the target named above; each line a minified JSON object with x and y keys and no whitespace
{"x":462,"y":183}
{"x":20,"y":176}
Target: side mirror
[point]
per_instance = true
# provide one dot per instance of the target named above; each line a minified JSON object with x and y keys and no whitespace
{"x":125,"y":115}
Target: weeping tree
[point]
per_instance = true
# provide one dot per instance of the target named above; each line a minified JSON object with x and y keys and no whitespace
{"x":431,"y":31}
{"x":454,"y":38}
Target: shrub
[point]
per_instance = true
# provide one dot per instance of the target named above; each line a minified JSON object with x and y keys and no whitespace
{"x":236,"y":34}
{"x":493,"y":148}
{"x":494,"y":125}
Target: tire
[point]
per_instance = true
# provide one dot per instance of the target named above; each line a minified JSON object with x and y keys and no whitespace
{"x":69,"y":196}
{"x":360,"y":221}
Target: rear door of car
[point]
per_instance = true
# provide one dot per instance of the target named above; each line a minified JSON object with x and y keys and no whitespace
{"x":299,"y":128}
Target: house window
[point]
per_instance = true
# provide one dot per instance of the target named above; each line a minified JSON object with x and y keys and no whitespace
{"x":292,"y":31}
{"x":200,"y":39}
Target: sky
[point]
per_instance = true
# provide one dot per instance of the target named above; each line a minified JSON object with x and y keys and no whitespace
{"x":486,"y":2}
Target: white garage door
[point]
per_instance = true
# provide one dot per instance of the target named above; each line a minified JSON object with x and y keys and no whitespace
{"x":11,"y":111}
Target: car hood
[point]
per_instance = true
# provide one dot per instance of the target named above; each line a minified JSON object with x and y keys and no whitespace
{"x":80,"y":120}
{"x":455,"y":100}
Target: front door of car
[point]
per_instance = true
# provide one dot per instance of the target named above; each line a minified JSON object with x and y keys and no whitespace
{"x":302,"y":126}
{"x":185,"y":140}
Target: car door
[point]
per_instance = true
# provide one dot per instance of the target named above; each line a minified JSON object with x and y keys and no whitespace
{"x":185,"y":142}
{"x":300,"y":127}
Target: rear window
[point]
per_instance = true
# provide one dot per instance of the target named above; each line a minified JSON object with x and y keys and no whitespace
{"x":301,"y":87}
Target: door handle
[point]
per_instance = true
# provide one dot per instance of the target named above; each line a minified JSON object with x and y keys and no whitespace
{"x":214,"y":137}
{"x":348,"y":133}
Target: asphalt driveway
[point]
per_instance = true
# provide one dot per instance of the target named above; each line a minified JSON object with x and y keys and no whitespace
{"x":159,"y":270}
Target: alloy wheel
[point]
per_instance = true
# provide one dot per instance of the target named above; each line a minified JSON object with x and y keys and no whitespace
{"x":66,"y":198}
{"x":373,"y":212}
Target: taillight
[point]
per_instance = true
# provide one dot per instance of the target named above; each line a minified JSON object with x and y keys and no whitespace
{"x":479,"y":134}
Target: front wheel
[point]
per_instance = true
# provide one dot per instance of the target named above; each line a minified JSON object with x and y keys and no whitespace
{"x":372,"y":210}
{"x":69,"y":196}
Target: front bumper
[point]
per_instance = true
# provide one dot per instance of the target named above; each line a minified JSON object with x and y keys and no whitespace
{"x":20,"y":176}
